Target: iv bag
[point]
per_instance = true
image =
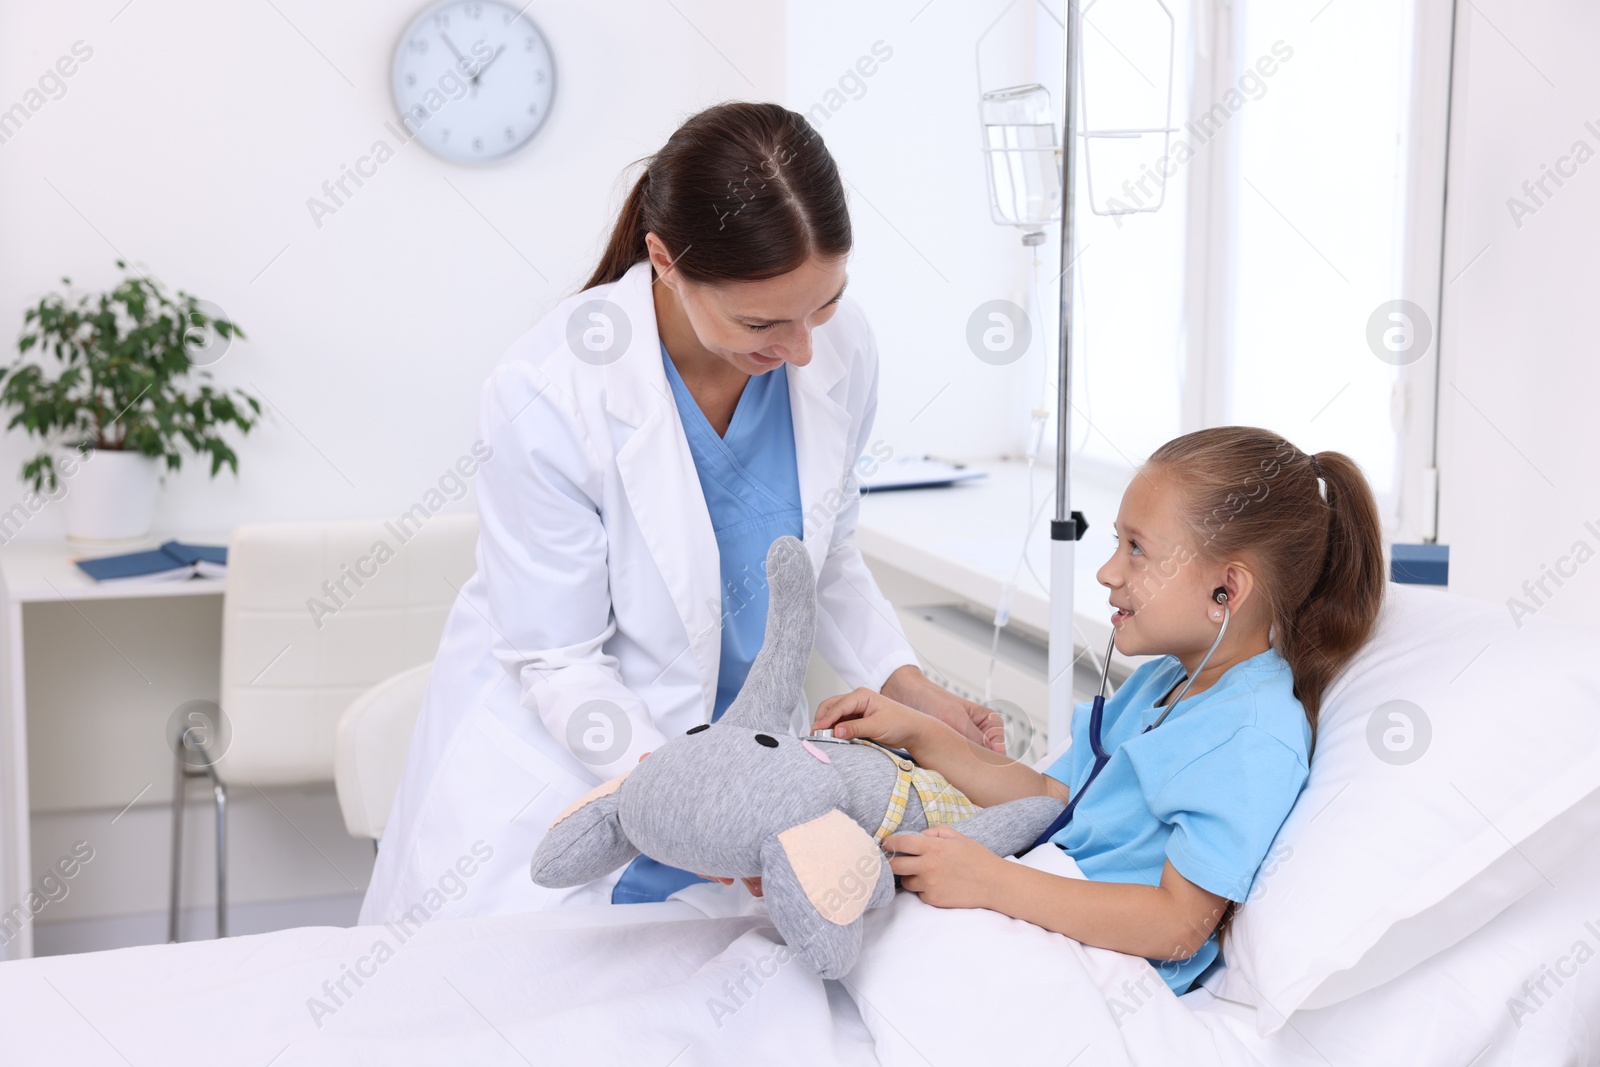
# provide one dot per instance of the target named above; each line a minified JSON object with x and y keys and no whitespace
{"x":1024,"y":157}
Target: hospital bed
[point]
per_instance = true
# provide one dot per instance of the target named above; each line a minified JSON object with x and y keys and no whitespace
{"x":1430,"y":900}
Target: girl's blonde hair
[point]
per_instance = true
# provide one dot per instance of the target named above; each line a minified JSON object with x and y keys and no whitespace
{"x":1250,"y":495}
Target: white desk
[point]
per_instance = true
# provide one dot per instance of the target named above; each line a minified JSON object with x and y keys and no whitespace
{"x":966,"y":538}
{"x":42,"y":573}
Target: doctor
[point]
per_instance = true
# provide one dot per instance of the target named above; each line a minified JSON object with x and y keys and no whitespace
{"x":710,"y":390}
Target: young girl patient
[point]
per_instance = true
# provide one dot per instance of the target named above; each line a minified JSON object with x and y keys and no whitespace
{"x":1179,"y":818}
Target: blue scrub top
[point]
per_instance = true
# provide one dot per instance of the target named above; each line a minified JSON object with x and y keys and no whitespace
{"x":1207,"y":789}
{"x":751,"y":484}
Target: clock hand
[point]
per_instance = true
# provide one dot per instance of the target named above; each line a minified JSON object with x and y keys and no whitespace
{"x":445,"y":37}
{"x":487,"y":64}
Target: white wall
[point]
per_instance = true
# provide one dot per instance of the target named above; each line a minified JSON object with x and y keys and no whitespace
{"x":191,"y":141}
{"x":192,"y":138}
{"x":927,"y":255}
{"x":1519,"y":378}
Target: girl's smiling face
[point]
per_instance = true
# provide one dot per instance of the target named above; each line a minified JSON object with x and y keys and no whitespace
{"x":1160,"y":590}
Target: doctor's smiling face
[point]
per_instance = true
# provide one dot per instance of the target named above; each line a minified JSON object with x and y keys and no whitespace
{"x":753,"y":327}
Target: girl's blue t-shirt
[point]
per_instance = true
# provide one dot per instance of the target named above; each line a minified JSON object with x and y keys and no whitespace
{"x":1207,"y":789}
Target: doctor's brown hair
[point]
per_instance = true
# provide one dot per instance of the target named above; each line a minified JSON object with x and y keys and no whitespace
{"x":740,"y":192}
{"x":1250,"y":495}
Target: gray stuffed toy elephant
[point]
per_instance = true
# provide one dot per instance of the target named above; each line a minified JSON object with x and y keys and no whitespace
{"x":746,"y":798}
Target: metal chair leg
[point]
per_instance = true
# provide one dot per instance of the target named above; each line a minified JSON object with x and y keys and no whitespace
{"x":180,"y":780}
{"x":220,"y":791}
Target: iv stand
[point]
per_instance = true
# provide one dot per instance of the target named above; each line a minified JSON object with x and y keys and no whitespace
{"x":1067,"y":526}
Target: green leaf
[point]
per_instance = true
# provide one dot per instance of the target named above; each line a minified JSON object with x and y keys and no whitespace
{"x":125,"y":379}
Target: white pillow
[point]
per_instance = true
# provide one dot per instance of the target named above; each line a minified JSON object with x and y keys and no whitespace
{"x":1383,"y":863}
{"x":1518,"y":991}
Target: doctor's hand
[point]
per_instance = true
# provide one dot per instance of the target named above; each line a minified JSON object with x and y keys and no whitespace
{"x":752,"y":884}
{"x":980,"y":725}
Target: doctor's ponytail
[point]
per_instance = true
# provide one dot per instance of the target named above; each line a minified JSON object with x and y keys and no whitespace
{"x":740,"y":192}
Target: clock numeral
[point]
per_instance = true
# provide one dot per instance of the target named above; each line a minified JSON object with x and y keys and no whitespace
{"x":533,"y":109}
{"x":474,"y":11}
{"x":442,"y":20}
{"x":539,"y":78}
{"x":508,"y":133}
{"x":444,"y":135}
{"x":418,"y":45}
{"x":477,"y":144}
{"x":411,"y":79}
{"x":529,"y":44}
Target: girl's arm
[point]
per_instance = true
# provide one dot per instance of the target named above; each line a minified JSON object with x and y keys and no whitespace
{"x":985,"y":776}
{"x":1170,"y":921}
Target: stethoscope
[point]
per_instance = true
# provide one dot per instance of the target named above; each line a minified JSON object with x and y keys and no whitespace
{"x":1097,"y":713}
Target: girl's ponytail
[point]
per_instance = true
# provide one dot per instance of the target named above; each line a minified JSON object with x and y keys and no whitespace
{"x":1319,"y":637}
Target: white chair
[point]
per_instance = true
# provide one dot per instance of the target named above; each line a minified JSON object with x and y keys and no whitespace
{"x":370,"y":749}
{"x":314,"y":615}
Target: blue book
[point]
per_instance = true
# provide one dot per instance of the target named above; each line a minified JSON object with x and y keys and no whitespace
{"x":173,"y":561}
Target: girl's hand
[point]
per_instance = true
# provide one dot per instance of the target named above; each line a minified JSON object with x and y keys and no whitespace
{"x":863,"y":713}
{"x":945,"y":867}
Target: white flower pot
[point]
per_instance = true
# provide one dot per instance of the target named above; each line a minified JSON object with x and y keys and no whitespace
{"x":110,"y":496}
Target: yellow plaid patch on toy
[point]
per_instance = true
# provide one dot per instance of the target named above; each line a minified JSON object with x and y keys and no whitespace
{"x":942,"y":803}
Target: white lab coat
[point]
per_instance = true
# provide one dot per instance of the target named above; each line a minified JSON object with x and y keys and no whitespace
{"x":598,"y":579}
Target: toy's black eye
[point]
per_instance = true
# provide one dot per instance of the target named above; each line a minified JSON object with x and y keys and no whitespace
{"x":763,"y":739}
{"x":697,"y":729}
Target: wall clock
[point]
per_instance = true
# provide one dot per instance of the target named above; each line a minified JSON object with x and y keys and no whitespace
{"x":473,"y":79}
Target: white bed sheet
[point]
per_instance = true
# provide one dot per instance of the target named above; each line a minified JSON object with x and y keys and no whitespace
{"x":659,"y":984}
{"x":570,"y":986}
{"x":680,"y":983}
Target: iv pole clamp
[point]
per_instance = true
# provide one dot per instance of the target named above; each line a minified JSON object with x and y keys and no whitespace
{"x":1069,"y":529}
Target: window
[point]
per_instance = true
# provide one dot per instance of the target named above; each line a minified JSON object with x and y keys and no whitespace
{"x":1247,"y":297}
{"x":1130,"y":329}
{"x":1315,"y":238}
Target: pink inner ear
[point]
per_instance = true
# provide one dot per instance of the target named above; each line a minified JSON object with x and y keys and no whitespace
{"x":815,"y":751}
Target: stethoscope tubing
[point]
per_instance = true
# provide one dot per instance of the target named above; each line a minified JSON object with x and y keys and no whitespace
{"x":1097,"y":715}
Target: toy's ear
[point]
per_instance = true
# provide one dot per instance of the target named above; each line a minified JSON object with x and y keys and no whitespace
{"x":818,"y":878}
{"x":585,"y":841}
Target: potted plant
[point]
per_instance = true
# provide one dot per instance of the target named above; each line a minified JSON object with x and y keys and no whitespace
{"x":122,"y":401}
